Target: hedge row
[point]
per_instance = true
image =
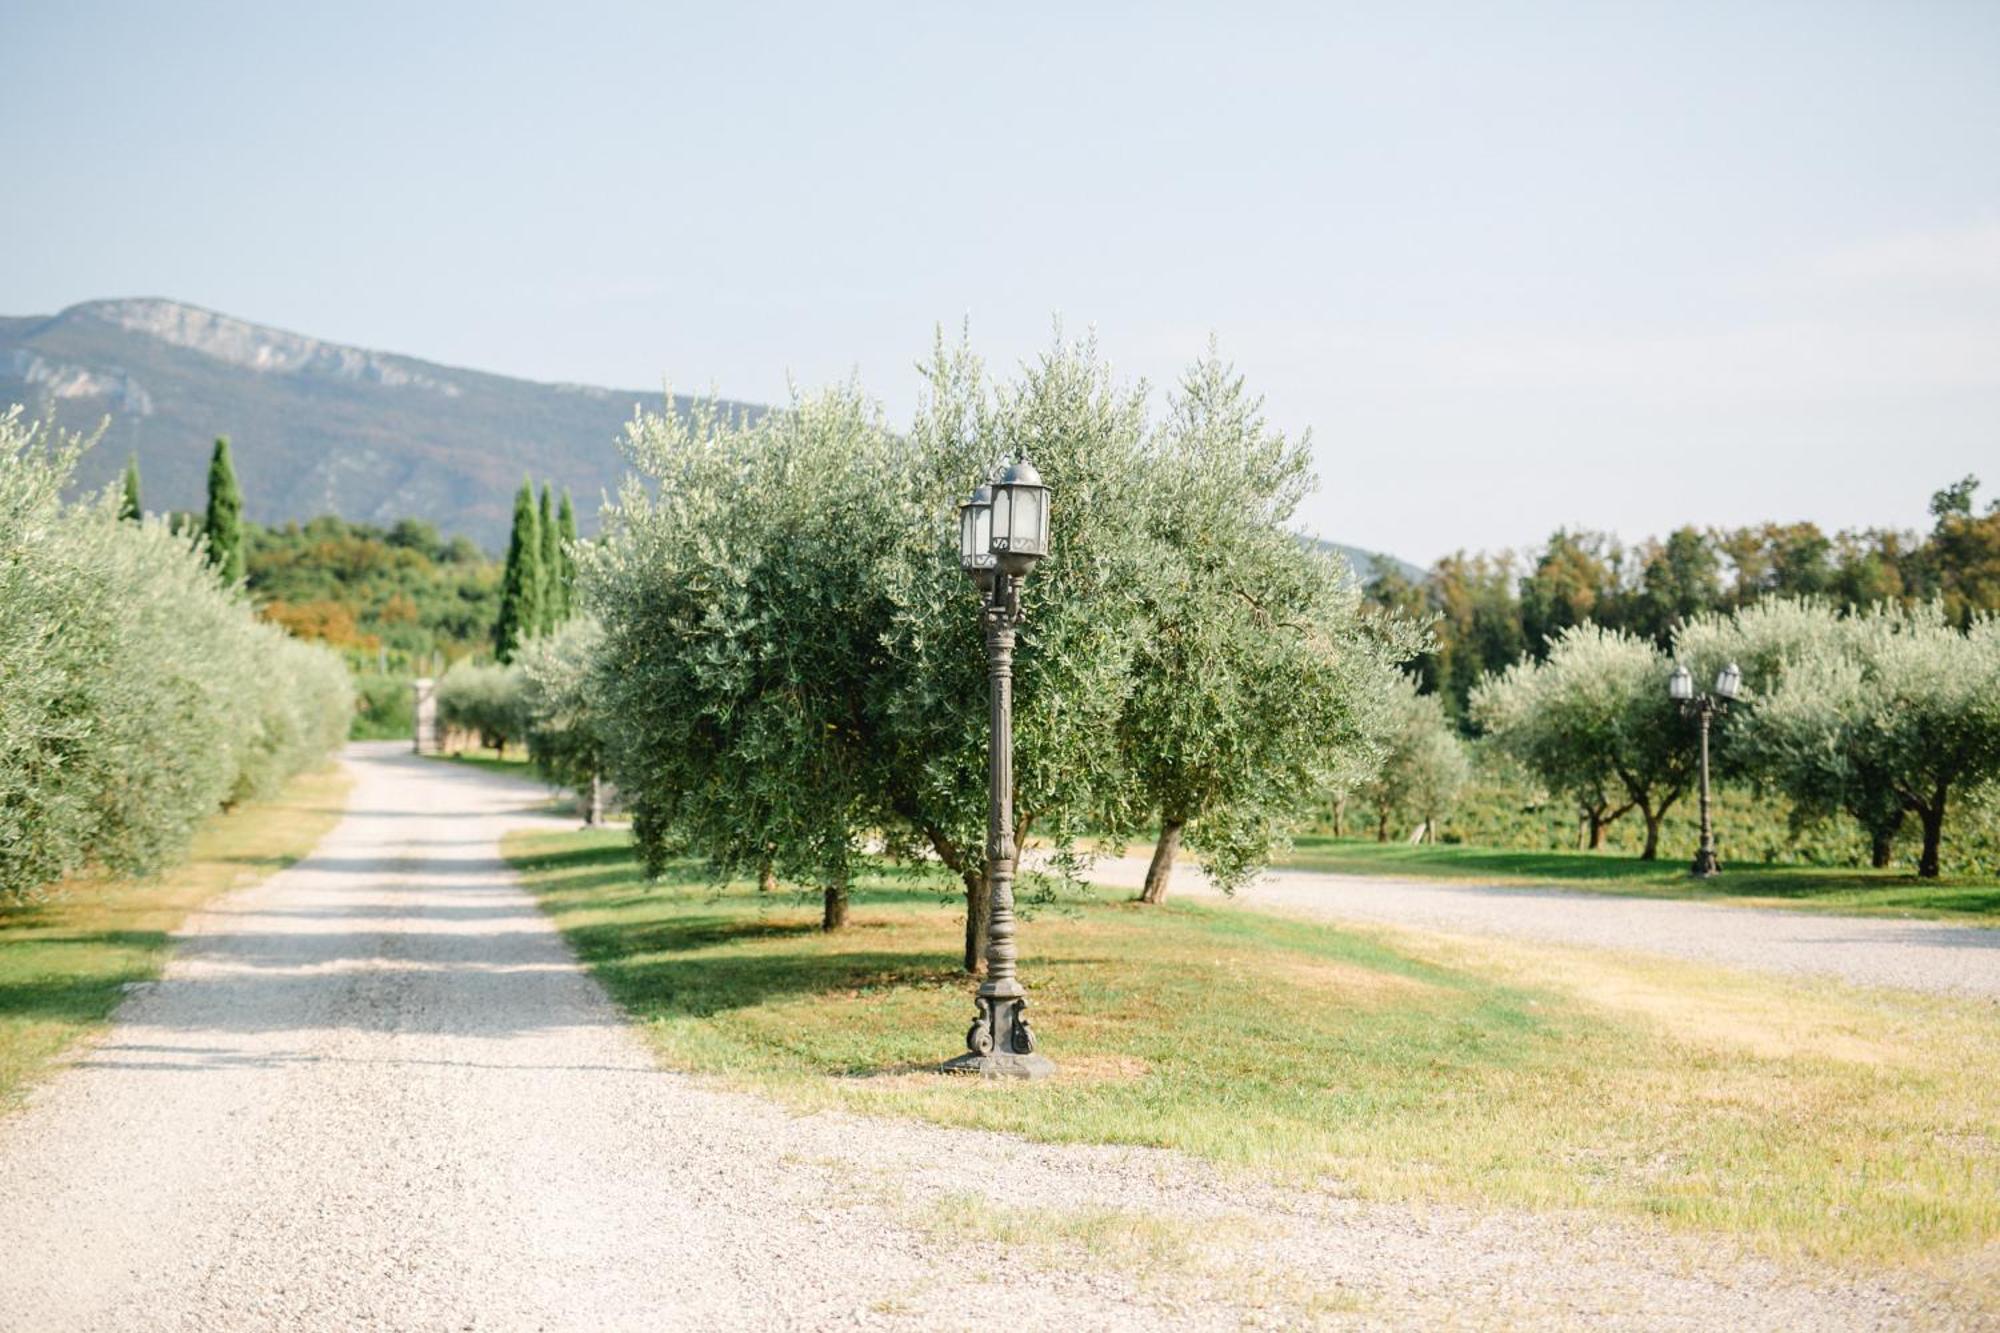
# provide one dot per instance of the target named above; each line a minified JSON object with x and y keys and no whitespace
{"x":138,"y":694}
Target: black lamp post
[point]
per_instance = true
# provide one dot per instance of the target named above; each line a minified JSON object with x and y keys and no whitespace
{"x":1002,"y":530}
{"x":1680,"y":687}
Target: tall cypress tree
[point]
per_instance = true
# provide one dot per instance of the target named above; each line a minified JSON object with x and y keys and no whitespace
{"x":566,"y":529}
{"x":223,"y":526}
{"x":553,"y":588}
{"x":521,"y":585}
{"x":129,"y":507}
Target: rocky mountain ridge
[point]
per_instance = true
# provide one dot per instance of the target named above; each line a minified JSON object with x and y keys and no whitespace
{"x":317,"y":427}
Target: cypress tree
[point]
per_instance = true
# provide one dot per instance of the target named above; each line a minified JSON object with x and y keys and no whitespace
{"x":130,"y":507}
{"x":521,"y":584}
{"x":223,"y":526}
{"x":553,"y":586}
{"x":566,"y":528}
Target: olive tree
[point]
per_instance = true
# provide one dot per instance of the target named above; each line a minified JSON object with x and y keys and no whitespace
{"x":559,"y":709}
{"x":1593,"y":720}
{"x":1768,"y":639}
{"x":739,"y":590}
{"x":483,"y":699}
{"x":1423,"y":768}
{"x":1901,"y":708}
{"x":1086,"y":434}
{"x":1258,"y":680}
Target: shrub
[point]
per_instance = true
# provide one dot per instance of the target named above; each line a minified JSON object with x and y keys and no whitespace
{"x":385,"y":708}
{"x":137,"y":692}
{"x":484,"y":700}
{"x":558,"y":707}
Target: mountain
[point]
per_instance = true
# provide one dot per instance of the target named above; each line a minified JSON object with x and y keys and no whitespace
{"x":322,"y":428}
{"x":1367,"y":564}
{"x":317,"y":427}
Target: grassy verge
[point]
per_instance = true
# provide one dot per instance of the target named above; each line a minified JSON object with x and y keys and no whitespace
{"x":64,"y":964}
{"x":1832,"y":889}
{"x":511,"y":761}
{"x":1802,"y":1119}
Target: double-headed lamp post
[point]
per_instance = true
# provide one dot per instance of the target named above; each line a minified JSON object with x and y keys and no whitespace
{"x":1002,"y":530}
{"x":1680,"y":687}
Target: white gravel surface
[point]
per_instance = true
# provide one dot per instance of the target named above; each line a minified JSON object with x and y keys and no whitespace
{"x":1868,"y":951}
{"x":377,"y":1092}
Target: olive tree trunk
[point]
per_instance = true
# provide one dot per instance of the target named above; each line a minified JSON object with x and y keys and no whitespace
{"x":1932,"y":815}
{"x":1161,"y":869}
{"x":1881,"y":848}
{"x":833,"y":911}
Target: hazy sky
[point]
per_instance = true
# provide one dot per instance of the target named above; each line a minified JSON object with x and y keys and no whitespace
{"x":1610,"y":264}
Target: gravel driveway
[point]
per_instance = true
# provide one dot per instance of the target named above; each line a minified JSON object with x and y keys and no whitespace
{"x":1869,"y":951}
{"x":377,"y":1091}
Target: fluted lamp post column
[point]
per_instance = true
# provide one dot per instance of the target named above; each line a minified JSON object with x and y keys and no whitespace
{"x":1680,"y":687}
{"x":1003,"y":529}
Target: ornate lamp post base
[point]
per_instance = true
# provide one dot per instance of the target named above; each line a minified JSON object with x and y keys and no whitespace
{"x":1706,"y":866}
{"x":1000,"y":1043}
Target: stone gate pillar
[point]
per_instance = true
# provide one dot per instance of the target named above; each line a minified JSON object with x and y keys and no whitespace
{"x":426,"y":714}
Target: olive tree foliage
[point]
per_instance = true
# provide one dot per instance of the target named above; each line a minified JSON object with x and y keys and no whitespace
{"x":1767,"y":639}
{"x":1888,"y":714}
{"x":738,"y":583}
{"x":793,"y":663}
{"x":484,"y":700}
{"x":1257,"y":682}
{"x":1424,"y":766}
{"x":559,"y":704}
{"x":138,"y":694}
{"x":1084,"y":613}
{"x":1593,"y":721}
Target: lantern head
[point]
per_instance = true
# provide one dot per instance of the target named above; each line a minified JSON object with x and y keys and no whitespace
{"x":1020,"y":518}
{"x":975,"y":532}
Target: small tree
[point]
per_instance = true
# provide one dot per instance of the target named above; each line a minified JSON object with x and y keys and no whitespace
{"x":1594,"y":721}
{"x":1258,"y":678}
{"x":555,"y":588}
{"x":521,"y":583}
{"x":1086,"y":434}
{"x":559,"y":709}
{"x":1903,"y":706}
{"x":566,"y":554}
{"x":1769,"y":639}
{"x":742,"y":604}
{"x":129,"y":506}
{"x":222,"y":528}
{"x":484,"y":700}
{"x":1424,"y":767}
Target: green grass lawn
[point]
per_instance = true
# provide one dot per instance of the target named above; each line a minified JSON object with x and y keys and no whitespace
{"x":1801,"y":1118}
{"x":1834,"y":889}
{"x":64,"y":963}
{"x":512,"y":761}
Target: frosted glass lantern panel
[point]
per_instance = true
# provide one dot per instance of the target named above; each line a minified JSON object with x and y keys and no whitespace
{"x":1027,"y":519}
{"x":982,"y":535}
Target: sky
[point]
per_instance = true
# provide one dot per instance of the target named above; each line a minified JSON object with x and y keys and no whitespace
{"x":1515,"y":266}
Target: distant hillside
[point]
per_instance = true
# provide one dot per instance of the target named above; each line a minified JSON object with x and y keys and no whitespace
{"x":1366,"y":564}
{"x":318,"y":428}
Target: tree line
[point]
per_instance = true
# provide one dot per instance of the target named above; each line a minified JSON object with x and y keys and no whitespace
{"x":139,"y":690}
{"x":1490,"y":610}
{"x":1882,"y":716}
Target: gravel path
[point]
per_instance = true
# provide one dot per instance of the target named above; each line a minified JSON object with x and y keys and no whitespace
{"x":1869,"y":951}
{"x":376,"y":1091}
